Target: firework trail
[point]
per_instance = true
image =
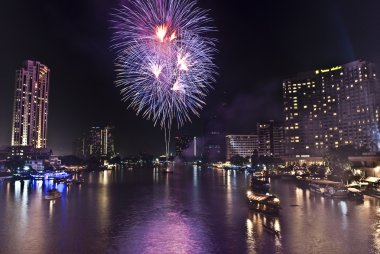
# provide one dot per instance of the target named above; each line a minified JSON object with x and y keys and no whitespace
{"x":164,"y":59}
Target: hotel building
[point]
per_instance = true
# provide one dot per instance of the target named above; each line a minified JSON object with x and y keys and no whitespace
{"x":332,"y":107}
{"x":243,"y":145}
{"x":30,"y":112}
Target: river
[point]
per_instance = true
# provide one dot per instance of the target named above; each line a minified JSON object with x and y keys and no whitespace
{"x":194,"y":210}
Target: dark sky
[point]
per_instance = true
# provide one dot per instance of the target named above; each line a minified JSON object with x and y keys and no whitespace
{"x":260,"y":43}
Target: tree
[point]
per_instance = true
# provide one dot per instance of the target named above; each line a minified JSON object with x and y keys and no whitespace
{"x":317,"y":171}
{"x":238,"y":160}
{"x":336,"y":160}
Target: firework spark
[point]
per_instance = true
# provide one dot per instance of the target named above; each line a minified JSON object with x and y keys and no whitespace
{"x":164,"y":58}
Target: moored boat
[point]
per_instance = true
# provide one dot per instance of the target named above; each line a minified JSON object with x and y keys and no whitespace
{"x":323,"y":186}
{"x":355,"y":194}
{"x":336,"y":192}
{"x":317,"y":188}
{"x":21,"y":176}
{"x":265,"y":203}
{"x":38,"y":176}
{"x":53,"y":194}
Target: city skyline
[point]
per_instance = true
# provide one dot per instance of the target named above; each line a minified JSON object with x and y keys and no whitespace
{"x":189,"y":126}
{"x":248,"y":89}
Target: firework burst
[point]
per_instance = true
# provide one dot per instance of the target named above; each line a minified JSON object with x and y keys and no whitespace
{"x":164,"y":59}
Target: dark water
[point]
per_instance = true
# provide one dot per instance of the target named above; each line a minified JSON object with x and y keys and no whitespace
{"x":192,"y":211}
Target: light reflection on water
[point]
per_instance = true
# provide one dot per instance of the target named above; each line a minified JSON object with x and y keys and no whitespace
{"x":193,"y":210}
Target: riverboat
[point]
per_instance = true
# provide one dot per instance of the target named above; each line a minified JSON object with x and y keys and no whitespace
{"x":260,"y":184}
{"x":53,"y":194}
{"x":336,"y":192}
{"x":354,"y":193}
{"x":21,"y":176}
{"x":265,"y":203}
{"x":316,"y":188}
{"x":322,"y":186}
{"x":38,"y":176}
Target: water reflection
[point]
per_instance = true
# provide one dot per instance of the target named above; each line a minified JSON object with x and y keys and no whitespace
{"x":192,"y":211}
{"x":263,"y":233}
{"x":376,"y":233}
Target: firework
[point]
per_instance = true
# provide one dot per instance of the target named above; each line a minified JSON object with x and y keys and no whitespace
{"x":164,"y":59}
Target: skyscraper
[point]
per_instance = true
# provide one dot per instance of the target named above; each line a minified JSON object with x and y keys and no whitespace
{"x":332,"y":107}
{"x":271,"y":139}
{"x":98,"y":141}
{"x":30,"y":112}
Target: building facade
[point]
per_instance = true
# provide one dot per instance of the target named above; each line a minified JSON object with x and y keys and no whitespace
{"x":242,"y":145}
{"x":271,"y":138}
{"x":98,"y":141}
{"x":332,"y":107}
{"x":30,"y":112}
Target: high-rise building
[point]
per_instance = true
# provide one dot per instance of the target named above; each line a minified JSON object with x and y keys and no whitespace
{"x":30,"y":112}
{"x":332,"y":107}
{"x":98,"y":141}
{"x":271,"y":139}
{"x":243,"y":145}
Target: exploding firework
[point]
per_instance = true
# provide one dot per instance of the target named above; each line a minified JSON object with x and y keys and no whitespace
{"x":164,"y":59}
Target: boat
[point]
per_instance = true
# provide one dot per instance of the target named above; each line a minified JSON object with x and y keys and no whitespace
{"x":355,"y":194}
{"x":38,"y":176}
{"x":21,"y":176}
{"x":260,"y":184}
{"x":336,"y":192}
{"x":265,"y":203}
{"x":53,"y":194}
{"x":316,"y":188}
{"x":59,"y":180}
{"x":323,"y":186}
{"x":57,"y":175}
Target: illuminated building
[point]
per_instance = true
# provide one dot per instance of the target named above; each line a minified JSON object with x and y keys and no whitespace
{"x":243,"y":145}
{"x":30,"y":112}
{"x":97,"y":142}
{"x":106,"y":141}
{"x":271,"y":139}
{"x":332,"y":107}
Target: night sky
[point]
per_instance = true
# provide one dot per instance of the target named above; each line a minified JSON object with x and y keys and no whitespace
{"x":260,"y":43}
